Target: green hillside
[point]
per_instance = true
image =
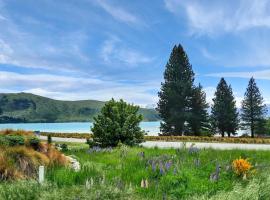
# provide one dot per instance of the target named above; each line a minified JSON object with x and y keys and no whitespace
{"x":26,"y":107}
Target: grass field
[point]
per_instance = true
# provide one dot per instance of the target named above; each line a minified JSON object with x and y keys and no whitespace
{"x":170,"y":174}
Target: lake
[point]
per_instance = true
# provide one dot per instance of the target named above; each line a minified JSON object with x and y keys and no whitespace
{"x":152,"y":128}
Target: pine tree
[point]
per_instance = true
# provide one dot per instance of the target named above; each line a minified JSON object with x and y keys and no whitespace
{"x":176,"y":92}
{"x":253,"y":109}
{"x":224,"y":112}
{"x":199,"y":120}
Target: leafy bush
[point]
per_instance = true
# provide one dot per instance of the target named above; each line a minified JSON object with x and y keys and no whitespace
{"x":3,"y":141}
{"x":64,"y":147}
{"x":15,"y":140}
{"x":34,"y":142}
{"x":49,"y":139}
{"x":118,"y":122}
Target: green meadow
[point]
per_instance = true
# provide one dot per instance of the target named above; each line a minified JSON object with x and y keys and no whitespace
{"x":140,"y":173}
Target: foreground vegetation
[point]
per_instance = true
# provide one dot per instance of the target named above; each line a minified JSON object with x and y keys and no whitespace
{"x":139,"y":173}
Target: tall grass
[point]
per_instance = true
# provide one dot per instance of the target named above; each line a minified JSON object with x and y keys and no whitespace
{"x":185,"y":178}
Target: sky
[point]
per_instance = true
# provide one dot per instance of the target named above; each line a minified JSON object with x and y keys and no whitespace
{"x":99,"y":49}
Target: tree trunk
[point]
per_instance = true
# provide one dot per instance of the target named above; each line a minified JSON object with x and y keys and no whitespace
{"x":252,"y":131}
{"x":229,"y":134}
{"x":222,"y":134}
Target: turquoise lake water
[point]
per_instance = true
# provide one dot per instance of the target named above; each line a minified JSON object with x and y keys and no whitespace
{"x":152,"y":128}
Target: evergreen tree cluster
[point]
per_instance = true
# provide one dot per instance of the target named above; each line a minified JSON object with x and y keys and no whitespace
{"x":184,"y":111}
{"x":182,"y":104}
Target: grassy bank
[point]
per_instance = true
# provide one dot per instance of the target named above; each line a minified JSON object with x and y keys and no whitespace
{"x":170,"y":174}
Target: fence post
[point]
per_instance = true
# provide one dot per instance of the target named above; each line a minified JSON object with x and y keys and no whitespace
{"x":41,"y":174}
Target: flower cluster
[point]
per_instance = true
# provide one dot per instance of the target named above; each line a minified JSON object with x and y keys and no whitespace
{"x":241,"y":166}
{"x":99,"y":149}
{"x":161,"y":164}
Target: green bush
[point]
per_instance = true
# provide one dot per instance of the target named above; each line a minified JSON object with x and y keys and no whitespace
{"x":3,"y":141}
{"x":64,"y":147}
{"x":15,"y":140}
{"x":118,"y":122}
{"x":34,"y":142}
{"x":49,"y":139}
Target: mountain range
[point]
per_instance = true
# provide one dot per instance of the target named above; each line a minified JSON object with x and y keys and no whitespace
{"x":27,"y":107}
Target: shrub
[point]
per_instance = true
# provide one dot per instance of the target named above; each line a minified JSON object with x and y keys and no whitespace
{"x":241,"y":166}
{"x":15,"y":140}
{"x":49,"y":139}
{"x":118,"y":121}
{"x":64,"y":147}
{"x":34,"y":143}
{"x":3,"y":141}
{"x":90,"y":142}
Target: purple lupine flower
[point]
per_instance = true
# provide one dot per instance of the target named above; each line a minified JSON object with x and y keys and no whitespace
{"x":168,"y":165}
{"x":193,"y":150}
{"x":154,"y":167}
{"x":197,"y":162}
{"x":161,"y":169}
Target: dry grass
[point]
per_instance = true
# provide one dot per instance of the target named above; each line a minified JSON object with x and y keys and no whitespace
{"x":20,"y":162}
{"x":56,"y":157}
{"x":16,"y":132}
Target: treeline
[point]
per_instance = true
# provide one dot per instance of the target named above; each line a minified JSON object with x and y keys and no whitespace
{"x":184,"y":111}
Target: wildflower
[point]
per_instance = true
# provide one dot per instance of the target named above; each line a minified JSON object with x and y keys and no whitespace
{"x":87,"y":184}
{"x":161,"y":170}
{"x":144,"y":183}
{"x":175,"y":171}
{"x":215,"y":175}
{"x":193,"y":150}
{"x":168,"y":165}
{"x":197,"y":162}
{"x":141,"y":154}
{"x":241,"y":166}
{"x":154,"y":167}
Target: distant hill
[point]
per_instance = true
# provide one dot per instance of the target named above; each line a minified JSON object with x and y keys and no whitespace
{"x":26,"y":107}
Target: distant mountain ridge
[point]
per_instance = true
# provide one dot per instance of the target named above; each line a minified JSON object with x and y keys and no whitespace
{"x":27,"y":107}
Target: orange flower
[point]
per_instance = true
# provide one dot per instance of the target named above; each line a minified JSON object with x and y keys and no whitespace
{"x":241,"y":166}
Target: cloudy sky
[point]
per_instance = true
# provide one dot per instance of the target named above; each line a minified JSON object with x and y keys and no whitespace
{"x":98,"y":49}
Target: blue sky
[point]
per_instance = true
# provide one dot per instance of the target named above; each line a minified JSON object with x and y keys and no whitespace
{"x":98,"y":49}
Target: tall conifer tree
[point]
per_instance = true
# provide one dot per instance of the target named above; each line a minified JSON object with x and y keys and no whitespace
{"x":224,"y":112}
{"x":175,"y":96}
{"x":253,"y":109}
{"x":199,"y":120}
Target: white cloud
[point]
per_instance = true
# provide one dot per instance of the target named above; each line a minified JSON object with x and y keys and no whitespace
{"x":214,"y":17}
{"x":78,"y":88}
{"x":21,"y":46}
{"x":119,"y":13}
{"x":113,"y":50}
{"x":263,"y":74}
{"x":2,"y":17}
{"x":205,"y":52}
